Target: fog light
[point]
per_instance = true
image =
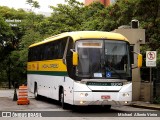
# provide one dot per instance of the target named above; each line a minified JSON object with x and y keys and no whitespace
{"x":82,"y":102}
{"x":126,"y":102}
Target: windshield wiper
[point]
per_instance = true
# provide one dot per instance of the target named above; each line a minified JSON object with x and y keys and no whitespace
{"x":114,"y":71}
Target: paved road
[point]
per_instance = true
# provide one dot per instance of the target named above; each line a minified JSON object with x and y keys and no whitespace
{"x":54,"y":109}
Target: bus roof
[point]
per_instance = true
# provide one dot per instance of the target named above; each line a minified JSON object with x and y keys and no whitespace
{"x":83,"y":35}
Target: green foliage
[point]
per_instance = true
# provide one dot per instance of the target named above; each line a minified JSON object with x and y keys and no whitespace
{"x":14,"y":42}
{"x":148,"y":13}
{"x":67,"y":17}
{"x":156,"y":100}
{"x":33,"y":4}
{"x":5,"y":31}
{"x":19,"y":57}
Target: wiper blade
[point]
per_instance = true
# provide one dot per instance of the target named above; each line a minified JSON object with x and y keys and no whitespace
{"x":115,"y":71}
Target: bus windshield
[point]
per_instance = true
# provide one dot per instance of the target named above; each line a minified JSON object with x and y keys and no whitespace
{"x":103,"y":59}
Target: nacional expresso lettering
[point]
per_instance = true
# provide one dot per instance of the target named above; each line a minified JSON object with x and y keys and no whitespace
{"x":50,"y":66}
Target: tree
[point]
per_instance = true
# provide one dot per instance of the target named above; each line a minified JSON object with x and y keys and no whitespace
{"x":67,"y":17}
{"x":13,"y":56}
{"x":148,"y":13}
{"x":33,"y":4}
{"x":6,"y":35}
{"x":19,"y":57}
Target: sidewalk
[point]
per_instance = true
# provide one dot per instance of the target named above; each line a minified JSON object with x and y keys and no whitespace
{"x":147,"y":105}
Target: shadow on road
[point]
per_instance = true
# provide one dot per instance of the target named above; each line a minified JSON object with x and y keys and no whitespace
{"x":93,"y":109}
{"x":48,"y":100}
{"x":81,"y":109}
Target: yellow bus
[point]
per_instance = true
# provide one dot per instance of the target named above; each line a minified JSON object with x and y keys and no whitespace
{"x":82,"y":68}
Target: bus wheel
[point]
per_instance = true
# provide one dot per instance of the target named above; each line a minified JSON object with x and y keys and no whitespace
{"x":36,"y":92}
{"x":62,"y":99}
{"x":106,"y":107}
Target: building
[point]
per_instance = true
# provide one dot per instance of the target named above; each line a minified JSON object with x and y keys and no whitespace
{"x":104,"y":2}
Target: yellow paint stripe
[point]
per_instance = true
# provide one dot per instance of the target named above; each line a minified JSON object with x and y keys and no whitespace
{"x":48,"y":65}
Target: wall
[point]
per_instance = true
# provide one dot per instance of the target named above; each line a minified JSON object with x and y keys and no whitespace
{"x":146,"y":92}
{"x":105,"y":2}
{"x":87,"y":2}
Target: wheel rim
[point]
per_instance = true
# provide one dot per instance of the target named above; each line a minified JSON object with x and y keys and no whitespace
{"x":36,"y":94}
{"x":62,"y":99}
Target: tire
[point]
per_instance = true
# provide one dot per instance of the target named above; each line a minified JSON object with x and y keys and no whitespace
{"x":36,"y":92}
{"x":62,"y":99}
{"x":106,"y":107}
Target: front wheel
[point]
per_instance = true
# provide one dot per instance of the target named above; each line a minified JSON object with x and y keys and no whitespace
{"x":62,"y":99}
{"x":106,"y":107}
{"x":36,"y":93}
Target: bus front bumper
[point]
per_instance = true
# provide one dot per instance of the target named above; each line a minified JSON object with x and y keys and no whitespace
{"x":102,"y":98}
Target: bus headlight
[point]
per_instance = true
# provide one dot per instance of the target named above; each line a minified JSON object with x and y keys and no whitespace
{"x":83,"y":94}
{"x":125,"y":94}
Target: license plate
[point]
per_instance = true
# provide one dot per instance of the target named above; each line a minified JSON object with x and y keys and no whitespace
{"x":106,"y":97}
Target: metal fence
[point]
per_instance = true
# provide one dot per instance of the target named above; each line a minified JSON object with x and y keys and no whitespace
{"x":155,"y":75}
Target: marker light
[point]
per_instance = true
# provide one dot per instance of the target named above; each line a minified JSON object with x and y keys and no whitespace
{"x":86,"y":94}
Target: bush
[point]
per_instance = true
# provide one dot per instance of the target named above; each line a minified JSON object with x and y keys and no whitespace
{"x":156,"y":100}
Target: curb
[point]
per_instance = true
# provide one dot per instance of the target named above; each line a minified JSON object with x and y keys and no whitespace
{"x":150,"y":106}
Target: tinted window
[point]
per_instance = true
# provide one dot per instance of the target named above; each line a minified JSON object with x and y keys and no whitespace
{"x":48,"y":51}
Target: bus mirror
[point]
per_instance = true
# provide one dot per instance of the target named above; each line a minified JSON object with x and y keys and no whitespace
{"x":75,"y":58}
{"x":139,"y":60}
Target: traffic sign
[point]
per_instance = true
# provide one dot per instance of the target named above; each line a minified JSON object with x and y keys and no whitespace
{"x":151,"y":57}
